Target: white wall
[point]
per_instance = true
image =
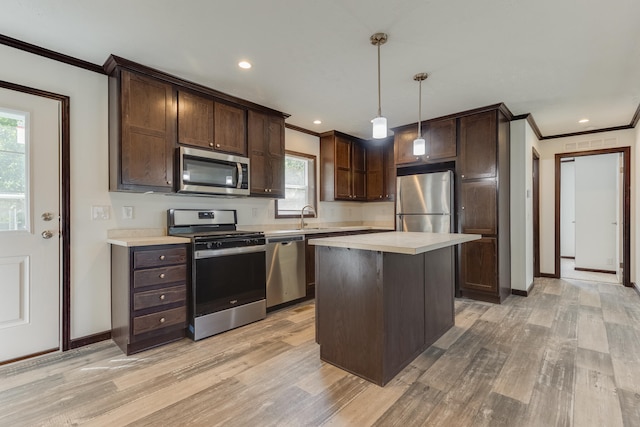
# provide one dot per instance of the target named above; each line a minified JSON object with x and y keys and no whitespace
{"x":90,"y":254}
{"x":523,"y":140}
{"x":635,"y":205}
{"x":548,"y":149}
{"x":568,"y":209}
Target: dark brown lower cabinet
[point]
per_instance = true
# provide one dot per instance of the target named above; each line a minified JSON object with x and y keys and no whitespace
{"x":148,"y":295}
{"x":478,"y":263}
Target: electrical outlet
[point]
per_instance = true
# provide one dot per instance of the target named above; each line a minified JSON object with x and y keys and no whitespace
{"x":127,"y":212}
{"x":100,"y":213}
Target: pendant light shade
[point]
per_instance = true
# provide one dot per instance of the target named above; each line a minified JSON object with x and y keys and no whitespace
{"x":419,"y":144}
{"x":379,"y":122}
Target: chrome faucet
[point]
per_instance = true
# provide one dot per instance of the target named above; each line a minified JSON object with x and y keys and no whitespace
{"x":302,"y":215}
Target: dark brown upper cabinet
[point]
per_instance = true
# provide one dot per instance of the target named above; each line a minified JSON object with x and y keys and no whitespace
{"x":141,"y":133}
{"x":151,"y":112}
{"x":205,"y":123}
{"x":478,"y":146}
{"x":266,"y":154}
{"x":440,"y":142}
{"x":343,"y":167}
{"x":381,"y":171}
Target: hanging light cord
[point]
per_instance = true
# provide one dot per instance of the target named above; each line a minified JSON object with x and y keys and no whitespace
{"x":379,"y":102}
{"x":420,"y":109}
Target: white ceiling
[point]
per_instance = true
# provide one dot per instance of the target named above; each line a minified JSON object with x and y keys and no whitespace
{"x":561,"y":60}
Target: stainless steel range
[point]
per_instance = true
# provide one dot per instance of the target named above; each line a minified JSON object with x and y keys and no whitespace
{"x":228,"y":279}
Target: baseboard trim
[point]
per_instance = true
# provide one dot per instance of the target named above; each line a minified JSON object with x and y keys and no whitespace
{"x":594,"y":270}
{"x":519,"y":292}
{"x":568,"y":257}
{"x":90,"y":339}
{"x":549,"y":275}
{"x":634,"y":286}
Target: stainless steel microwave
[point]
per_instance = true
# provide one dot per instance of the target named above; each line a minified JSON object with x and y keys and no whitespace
{"x":207,"y":172}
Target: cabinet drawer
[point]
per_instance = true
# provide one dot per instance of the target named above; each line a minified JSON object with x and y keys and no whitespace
{"x":159,"y":297}
{"x":157,"y":276}
{"x":159,"y":257}
{"x":162,"y":319}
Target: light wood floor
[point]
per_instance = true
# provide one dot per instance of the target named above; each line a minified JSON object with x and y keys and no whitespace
{"x":567,"y":355}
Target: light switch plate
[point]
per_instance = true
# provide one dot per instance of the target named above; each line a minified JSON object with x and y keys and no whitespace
{"x":127,"y":212}
{"x":100,"y":212}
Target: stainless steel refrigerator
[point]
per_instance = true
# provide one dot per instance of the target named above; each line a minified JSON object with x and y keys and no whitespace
{"x":424,"y":202}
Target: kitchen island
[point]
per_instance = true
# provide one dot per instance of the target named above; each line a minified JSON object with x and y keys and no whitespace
{"x":383,"y":298}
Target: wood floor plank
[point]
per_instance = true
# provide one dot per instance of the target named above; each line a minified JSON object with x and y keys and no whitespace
{"x":596,"y":401}
{"x":566,"y":355}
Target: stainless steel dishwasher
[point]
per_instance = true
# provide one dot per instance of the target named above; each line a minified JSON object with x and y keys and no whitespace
{"x":285,"y":269}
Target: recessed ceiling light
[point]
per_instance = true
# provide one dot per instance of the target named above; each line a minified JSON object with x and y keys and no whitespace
{"x":317,"y":122}
{"x":583,"y":120}
{"x":244,"y":64}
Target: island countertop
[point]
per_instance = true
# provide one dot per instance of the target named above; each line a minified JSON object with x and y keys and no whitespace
{"x":401,"y":242}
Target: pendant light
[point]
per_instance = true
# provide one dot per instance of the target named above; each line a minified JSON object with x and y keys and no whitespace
{"x":419,"y":144}
{"x":379,"y":122}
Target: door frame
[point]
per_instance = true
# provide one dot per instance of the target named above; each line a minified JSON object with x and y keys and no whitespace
{"x":626,"y":214}
{"x":65,"y":204}
{"x":535,"y":170}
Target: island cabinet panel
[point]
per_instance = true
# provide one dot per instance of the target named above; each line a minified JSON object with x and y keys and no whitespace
{"x":343,"y":167}
{"x":148,"y":295}
{"x":440,"y":142}
{"x":390,"y":172}
{"x":266,"y":154}
{"x":376,"y":311}
{"x":142,"y":136}
{"x":483,"y":200}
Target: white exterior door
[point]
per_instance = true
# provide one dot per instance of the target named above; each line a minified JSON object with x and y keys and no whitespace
{"x":29,"y":225}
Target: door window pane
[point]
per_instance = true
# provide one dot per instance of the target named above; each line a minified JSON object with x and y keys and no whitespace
{"x":13,"y":171}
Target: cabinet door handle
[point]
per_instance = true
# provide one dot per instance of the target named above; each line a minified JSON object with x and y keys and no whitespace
{"x":211,"y":144}
{"x":461,"y":176}
{"x":162,"y":275}
{"x":463,"y":208}
{"x":162,"y":320}
{"x":427,"y":157}
{"x":218,"y":145}
{"x":161,"y":257}
{"x":162,"y":297}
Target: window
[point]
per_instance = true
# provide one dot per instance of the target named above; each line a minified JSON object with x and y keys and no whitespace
{"x":13,"y":171}
{"x":299,"y":186}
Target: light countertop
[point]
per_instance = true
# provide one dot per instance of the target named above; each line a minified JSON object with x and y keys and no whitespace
{"x":313,"y":230}
{"x":147,"y":240}
{"x":411,"y":243}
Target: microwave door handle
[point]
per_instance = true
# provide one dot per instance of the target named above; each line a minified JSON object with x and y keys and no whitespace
{"x":240,"y":175}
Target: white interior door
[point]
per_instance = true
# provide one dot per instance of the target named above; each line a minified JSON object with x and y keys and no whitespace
{"x":596,"y":211}
{"x":29,"y":224}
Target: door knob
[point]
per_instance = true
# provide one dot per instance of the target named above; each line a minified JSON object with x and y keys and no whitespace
{"x":47,"y":234}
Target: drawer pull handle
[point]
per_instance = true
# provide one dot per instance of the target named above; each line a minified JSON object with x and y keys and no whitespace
{"x":162,"y":275}
{"x":161,"y":257}
{"x":162,"y":320}
{"x":162,"y":297}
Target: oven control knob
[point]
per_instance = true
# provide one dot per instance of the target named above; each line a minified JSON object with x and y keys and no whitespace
{"x":218,"y":244}
{"x":209,"y":245}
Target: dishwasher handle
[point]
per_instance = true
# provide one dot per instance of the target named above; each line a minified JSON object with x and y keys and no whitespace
{"x":285,"y":239}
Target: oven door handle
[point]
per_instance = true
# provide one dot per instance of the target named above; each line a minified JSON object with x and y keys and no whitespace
{"x":240,"y":175}
{"x":212,"y":253}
